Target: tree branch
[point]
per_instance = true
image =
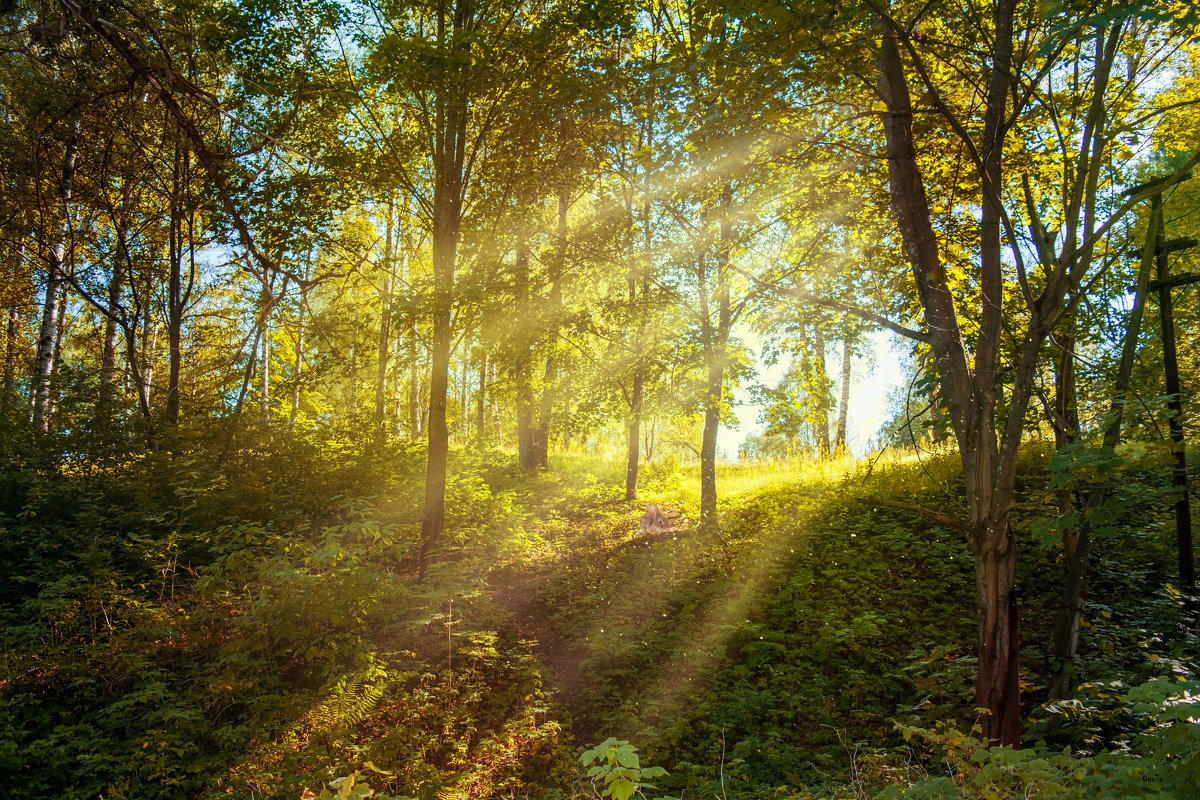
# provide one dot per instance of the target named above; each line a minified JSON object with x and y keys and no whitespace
{"x":837,"y":305}
{"x":936,"y":516}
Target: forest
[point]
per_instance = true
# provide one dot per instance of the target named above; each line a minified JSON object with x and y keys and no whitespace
{"x":371,"y":369}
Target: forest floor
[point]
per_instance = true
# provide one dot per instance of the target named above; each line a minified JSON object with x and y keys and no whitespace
{"x":635,"y":632}
{"x":518,"y":592}
{"x":771,"y":658}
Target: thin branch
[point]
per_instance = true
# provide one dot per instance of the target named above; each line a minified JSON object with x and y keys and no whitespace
{"x":936,"y":516}
{"x":837,"y":305}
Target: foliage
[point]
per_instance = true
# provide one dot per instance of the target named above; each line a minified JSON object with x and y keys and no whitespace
{"x":200,"y":645}
{"x":272,"y":637}
{"x":614,"y":763}
{"x":1160,"y":760}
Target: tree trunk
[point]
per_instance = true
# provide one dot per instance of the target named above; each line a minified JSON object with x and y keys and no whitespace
{"x":936,"y":416}
{"x":839,"y":439}
{"x":712,"y":402}
{"x":497,"y":433}
{"x":414,"y":388}
{"x":385,"y":329}
{"x":525,"y":432}
{"x":297,"y":364}
{"x":452,"y":108}
{"x":550,"y":384}
{"x":997,"y":685}
{"x":108,"y":358}
{"x":146,"y":374}
{"x":970,"y":384}
{"x":44,"y":363}
{"x":708,"y":444}
{"x":717,"y":338}
{"x":175,"y":297}
{"x":10,"y":357}
{"x":821,"y":401}
{"x":566,"y":416}
{"x":59,"y":331}
{"x":527,"y":448}
{"x":464,"y":416}
{"x":445,"y":247}
{"x":633,"y":443}
{"x":264,"y":375}
{"x":481,"y":398}
{"x":11,"y":330}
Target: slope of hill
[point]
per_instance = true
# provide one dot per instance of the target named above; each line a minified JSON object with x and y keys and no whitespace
{"x":183,"y":638}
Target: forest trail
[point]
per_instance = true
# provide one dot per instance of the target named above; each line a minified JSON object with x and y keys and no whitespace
{"x":542,"y":594}
{"x":518,"y":592}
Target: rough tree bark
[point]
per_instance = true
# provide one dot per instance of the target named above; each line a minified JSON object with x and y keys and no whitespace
{"x":716,"y":341}
{"x":970,"y":385}
{"x":449,"y":151}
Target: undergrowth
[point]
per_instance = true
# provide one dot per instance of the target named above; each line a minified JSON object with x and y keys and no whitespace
{"x":245,"y":621}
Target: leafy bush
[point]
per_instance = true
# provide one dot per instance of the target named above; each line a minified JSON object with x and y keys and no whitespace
{"x":1160,"y":762}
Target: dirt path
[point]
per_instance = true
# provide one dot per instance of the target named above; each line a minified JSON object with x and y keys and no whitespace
{"x":520,"y":593}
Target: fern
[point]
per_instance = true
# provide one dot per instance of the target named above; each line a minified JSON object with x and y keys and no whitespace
{"x":350,"y":699}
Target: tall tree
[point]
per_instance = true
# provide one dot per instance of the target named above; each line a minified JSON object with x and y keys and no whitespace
{"x":969,"y":366}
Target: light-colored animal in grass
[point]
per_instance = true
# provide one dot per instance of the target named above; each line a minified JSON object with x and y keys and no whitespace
{"x":654,"y":521}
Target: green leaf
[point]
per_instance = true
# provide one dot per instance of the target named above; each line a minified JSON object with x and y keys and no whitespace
{"x":621,"y":789}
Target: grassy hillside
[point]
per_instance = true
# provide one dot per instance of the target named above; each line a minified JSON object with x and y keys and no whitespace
{"x":178,"y":629}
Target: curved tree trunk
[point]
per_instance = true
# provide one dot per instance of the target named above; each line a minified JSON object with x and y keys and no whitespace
{"x":969,"y":381}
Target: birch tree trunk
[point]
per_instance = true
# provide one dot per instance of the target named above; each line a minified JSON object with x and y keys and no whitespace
{"x":820,"y":422}
{"x":839,"y":437}
{"x":146,"y":373}
{"x":44,"y":362}
{"x":108,"y":357}
{"x":12,"y":328}
{"x":59,"y":331}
